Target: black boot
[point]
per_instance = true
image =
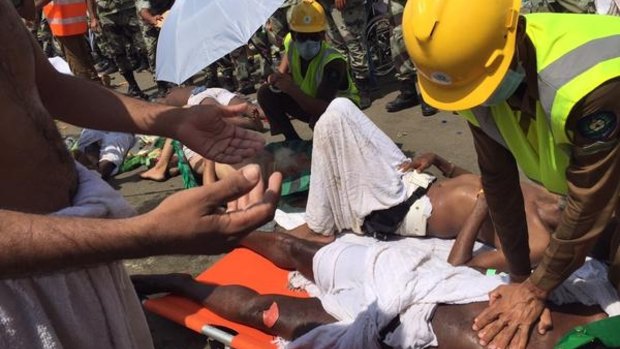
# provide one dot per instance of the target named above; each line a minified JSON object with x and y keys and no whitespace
{"x":143,"y":66}
{"x":363,"y":86}
{"x":407,"y":98}
{"x":133,"y":89}
{"x":162,"y":89}
{"x":427,"y":110}
{"x":228,"y":82}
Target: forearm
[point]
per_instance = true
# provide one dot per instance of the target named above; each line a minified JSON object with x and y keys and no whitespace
{"x":92,"y":9}
{"x":462,"y":250}
{"x":37,"y":243}
{"x":86,"y":104}
{"x":27,"y":10}
{"x":593,"y":195}
{"x":500,"y":181}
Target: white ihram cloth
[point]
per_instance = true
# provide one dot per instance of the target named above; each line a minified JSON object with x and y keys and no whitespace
{"x":93,"y":307}
{"x":354,"y":171}
{"x":113,"y":145}
{"x":365,"y":283}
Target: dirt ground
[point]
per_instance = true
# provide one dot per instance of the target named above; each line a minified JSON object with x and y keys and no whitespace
{"x":444,"y":133}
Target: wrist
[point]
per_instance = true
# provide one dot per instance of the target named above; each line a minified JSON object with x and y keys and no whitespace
{"x":535,"y":290}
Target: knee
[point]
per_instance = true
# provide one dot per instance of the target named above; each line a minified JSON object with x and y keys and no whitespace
{"x":264,"y":95}
{"x":332,"y":118}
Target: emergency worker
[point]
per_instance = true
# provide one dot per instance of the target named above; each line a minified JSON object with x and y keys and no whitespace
{"x":317,"y":73}
{"x":540,"y":92}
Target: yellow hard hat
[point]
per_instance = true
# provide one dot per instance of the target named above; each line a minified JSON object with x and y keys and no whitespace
{"x":307,"y":16}
{"x":462,"y":49}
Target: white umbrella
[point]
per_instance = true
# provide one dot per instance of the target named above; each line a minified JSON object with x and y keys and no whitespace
{"x":197,"y":33}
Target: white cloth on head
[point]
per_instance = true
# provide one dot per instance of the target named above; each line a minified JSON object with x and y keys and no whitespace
{"x":113,"y":145}
{"x":92,"y":307}
{"x":222,"y":96}
{"x":366,"y":283}
{"x":354,"y":170}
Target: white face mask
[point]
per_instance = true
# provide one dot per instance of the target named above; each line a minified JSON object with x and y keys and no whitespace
{"x":507,"y":87}
{"x":308,"y":49}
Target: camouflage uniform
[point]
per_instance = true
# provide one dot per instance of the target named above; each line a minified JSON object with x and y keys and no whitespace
{"x":149,"y":32}
{"x":120,"y":26}
{"x":569,"y":6}
{"x":278,"y":23}
{"x":347,"y":33}
{"x":121,"y":29}
{"x":46,"y":39}
{"x":404,"y":67}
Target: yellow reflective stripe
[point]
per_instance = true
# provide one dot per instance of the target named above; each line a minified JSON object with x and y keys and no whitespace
{"x":569,"y":94}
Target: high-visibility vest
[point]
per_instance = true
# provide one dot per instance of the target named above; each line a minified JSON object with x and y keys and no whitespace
{"x":575,"y":53}
{"x":66,"y":17}
{"x":309,"y":83}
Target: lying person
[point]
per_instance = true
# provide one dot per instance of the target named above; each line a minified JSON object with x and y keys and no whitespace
{"x":370,"y":275}
{"x":357,"y":170}
{"x":103,"y":151}
{"x":200,"y":96}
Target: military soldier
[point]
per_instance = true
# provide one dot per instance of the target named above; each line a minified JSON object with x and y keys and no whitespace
{"x":347,"y":21}
{"x":150,"y":12}
{"x":119,"y":23}
{"x":405,"y":71}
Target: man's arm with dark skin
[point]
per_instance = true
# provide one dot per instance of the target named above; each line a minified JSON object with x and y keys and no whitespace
{"x":189,"y":222}
{"x":333,"y":75}
{"x":27,"y":10}
{"x":39,"y":4}
{"x":201,"y":128}
{"x":593,"y":189}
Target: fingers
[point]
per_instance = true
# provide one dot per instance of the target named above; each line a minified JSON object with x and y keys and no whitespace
{"x":489,"y":314}
{"x":545,"y":323}
{"x":490,"y":331}
{"x":232,"y":187}
{"x":257,"y":214}
{"x":504,"y":338}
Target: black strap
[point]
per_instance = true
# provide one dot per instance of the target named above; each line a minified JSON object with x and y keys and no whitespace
{"x":389,"y":328}
{"x":403,"y":208}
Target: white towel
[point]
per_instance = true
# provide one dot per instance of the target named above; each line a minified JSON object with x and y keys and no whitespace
{"x":365,"y":284}
{"x":354,"y":170}
{"x":94,"y":307}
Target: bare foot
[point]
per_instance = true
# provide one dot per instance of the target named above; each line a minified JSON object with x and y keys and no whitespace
{"x":155,"y":174}
{"x":303,"y":232}
{"x":159,"y":283}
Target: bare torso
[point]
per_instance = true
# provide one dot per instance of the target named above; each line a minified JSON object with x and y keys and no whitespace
{"x":38,"y":173}
{"x":454,"y":199}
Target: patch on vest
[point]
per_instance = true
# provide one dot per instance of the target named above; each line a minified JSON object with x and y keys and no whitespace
{"x":597,"y":127}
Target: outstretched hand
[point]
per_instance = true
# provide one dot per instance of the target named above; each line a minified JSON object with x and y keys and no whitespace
{"x":204,"y":129}
{"x":513,"y":309}
{"x":193,"y":221}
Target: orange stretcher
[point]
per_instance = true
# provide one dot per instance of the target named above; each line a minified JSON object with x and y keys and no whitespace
{"x":239,"y":267}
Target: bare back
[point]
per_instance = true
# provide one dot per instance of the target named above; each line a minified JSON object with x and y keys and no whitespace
{"x":453,"y":201}
{"x":37,"y":173}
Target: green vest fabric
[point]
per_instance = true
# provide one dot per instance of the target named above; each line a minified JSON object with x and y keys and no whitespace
{"x":574,"y":55}
{"x":309,"y":83}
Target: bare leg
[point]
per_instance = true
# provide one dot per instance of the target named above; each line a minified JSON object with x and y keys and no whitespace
{"x":285,"y":251}
{"x":159,"y":172}
{"x":304,"y":232}
{"x":241,"y":304}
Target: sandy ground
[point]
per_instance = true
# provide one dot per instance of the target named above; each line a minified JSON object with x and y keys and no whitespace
{"x":444,"y":133}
